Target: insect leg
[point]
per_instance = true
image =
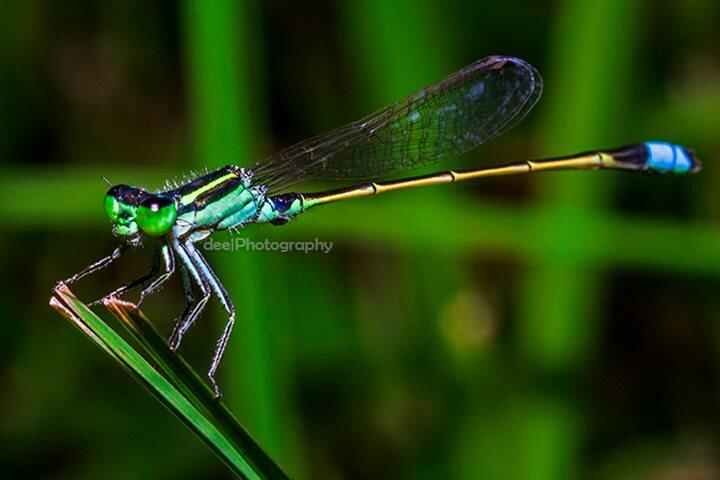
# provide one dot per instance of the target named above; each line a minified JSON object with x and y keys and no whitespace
{"x":222,"y":294}
{"x":100,"y":264}
{"x":154,"y":269}
{"x":190,"y":301}
{"x":168,"y":260}
{"x":199,"y":304}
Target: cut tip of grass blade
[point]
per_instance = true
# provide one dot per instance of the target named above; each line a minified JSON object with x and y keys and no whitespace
{"x":171,"y":380}
{"x":121,"y":305}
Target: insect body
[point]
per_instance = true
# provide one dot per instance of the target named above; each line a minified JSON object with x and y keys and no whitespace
{"x":466,"y":109}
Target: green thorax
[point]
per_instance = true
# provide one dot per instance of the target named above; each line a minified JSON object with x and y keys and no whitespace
{"x":227,"y":199}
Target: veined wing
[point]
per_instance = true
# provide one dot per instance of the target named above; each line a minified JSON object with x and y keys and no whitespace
{"x":462,"y":111}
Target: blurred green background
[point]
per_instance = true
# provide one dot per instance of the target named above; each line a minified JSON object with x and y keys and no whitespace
{"x":555,"y":326}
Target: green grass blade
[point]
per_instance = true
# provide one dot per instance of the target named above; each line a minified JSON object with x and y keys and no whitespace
{"x":171,"y":381}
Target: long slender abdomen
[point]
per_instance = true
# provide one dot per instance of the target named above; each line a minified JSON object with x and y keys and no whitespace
{"x":643,"y":157}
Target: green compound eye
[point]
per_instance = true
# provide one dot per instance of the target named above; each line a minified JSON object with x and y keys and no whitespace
{"x":156,"y":215}
{"x":112,"y":207}
{"x":121,"y":201}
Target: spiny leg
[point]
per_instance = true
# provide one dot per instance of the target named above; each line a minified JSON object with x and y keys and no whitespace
{"x":229,"y":307}
{"x":189,"y":292}
{"x":168,"y":261}
{"x":154,"y":269}
{"x":100,"y":264}
{"x":185,"y":323}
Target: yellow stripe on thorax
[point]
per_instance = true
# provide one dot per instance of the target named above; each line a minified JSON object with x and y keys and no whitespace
{"x":192,"y":196}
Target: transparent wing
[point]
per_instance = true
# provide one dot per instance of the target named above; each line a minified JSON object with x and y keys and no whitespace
{"x":462,"y":111}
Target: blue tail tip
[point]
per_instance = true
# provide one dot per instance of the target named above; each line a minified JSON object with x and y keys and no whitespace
{"x":667,"y":157}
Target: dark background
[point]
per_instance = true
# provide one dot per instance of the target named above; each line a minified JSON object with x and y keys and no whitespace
{"x":554,"y":326}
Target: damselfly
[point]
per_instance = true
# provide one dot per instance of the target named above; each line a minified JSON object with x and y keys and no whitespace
{"x":464,"y":110}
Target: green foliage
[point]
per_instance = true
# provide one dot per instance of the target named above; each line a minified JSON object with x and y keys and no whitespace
{"x":167,"y":377}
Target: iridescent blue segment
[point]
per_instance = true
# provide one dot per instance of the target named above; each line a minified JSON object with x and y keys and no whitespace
{"x":670,"y":158}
